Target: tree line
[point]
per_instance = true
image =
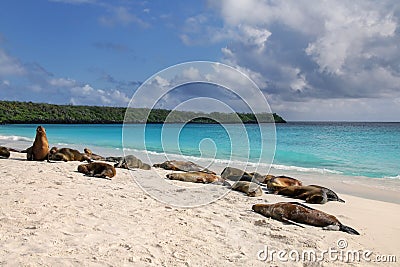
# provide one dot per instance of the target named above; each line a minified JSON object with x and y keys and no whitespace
{"x":28,"y":112}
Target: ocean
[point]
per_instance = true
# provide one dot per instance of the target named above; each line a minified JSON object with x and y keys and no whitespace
{"x":344,"y":148}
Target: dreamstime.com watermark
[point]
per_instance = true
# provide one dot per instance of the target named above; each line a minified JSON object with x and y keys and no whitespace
{"x":340,"y":253}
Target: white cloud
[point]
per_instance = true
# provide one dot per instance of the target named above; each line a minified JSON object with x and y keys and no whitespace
{"x":87,"y":95}
{"x":121,"y":15}
{"x":10,"y":65}
{"x":62,"y":82}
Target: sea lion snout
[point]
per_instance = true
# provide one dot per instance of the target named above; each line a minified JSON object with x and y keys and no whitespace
{"x":40,"y":129}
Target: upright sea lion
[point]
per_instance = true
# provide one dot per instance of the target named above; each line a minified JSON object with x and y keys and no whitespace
{"x":40,"y":148}
{"x":249,"y":188}
{"x":97,"y":169}
{"x":91,"y":155}
{"x":278,"y":182}
{"x":311,"y":193}
{"x":129,"y":162}
{"x":68,"y":154}
{"x":186,"y":166}
{"x":197,"y":177}
{"x":4,"y":152}
{"x":292,"y":212}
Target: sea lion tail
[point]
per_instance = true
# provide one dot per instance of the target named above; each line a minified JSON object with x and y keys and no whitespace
{"x":341,"y":200}
{"x":348,"y":229}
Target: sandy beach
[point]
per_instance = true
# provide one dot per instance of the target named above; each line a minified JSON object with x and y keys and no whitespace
{"x":51,"y":215}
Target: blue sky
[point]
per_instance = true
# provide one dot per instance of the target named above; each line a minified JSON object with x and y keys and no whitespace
{"x":329,"y":60}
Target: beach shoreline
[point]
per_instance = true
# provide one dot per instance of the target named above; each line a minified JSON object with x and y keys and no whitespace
{"x":53,"y":215}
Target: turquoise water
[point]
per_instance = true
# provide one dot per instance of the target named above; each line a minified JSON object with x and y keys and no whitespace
{"x":355,"y":149}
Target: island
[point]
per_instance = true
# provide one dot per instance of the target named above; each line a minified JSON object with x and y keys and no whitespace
{"x":15,"y":112}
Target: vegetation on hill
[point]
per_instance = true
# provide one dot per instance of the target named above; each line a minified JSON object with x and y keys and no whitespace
{"x":28,"y":112}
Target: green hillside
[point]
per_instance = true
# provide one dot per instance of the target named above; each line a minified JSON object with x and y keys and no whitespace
{"x":28,"y":112}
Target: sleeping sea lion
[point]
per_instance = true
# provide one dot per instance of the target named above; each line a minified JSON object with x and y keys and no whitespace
{"x":129,"y":162}
{"x":91,"y":155}
{"x":197,"y":177}
{"x":186,"y":166}
{"x":67,"y":154}
{"x":40,"y":148}
{"x":234,"y":174}
{"x":311,"y":193}
{"x":332,"y":196}
{"x":4,"y":152}
{"x":293,"y":213}
{"x":278,"y":182}
{"x":97,"y":169}
{"x":249,"y":188}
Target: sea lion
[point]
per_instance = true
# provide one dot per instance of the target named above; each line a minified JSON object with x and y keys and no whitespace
{"x":4,"y":152}
{"x":262,"y":178}
{"x":91,"y":155}
{"x":293,"y":213}
{"x":249,"y":188}
{"x":97,"y":169}
{"x":197,"y":177}
{"x":332,"y":196}
{"x":279,"y":182}
{"x":186,"y":166}
{"x":234,"y":174}
{"x":311,"y":193}
{"x":40,"y":148}
{"x":68,"y":154}
{"x":129,"y":162}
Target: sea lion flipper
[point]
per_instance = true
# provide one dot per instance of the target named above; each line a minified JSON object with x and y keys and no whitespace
{"x":283,"y":219}
{"x":348,"y":229}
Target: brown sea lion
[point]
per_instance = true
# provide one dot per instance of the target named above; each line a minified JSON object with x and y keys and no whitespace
{"x":40,"y":148}
{"x":91,"y":155}
{"x":186,"y":166}
{"x":293,"y":213}
{"x":67,"y":154}
{"x":278,"y":182}
{"x":311,"y":193}
{"x":97,"y":169}
{"x":196,"y":177}
{"x":4,"y":152}
{"x":129,"y":162}
{"x":249,"y":188}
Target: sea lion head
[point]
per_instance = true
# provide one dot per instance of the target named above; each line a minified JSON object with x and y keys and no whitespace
{"x":82,"y":168}
{"x":53,"y":150}
{"x":40,"y":130}
{"x":87,"y":151}
{"x":262,"y":208}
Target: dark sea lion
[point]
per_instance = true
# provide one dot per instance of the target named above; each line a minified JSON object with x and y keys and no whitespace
{"x":197,"y":177}
{"x":40,"y":148}
{"x":310,"y":193}
{"x":129,"y":162}
{"x":4,"y":152}
{"x":186,"y":166}
{"x":293,"y":213}
{"x":68,"y":154}
{"x":249,"y":188}
{"x":279,"y":182}
{"x":332,"y":196}
{"x":234,"y":174}
{"x":97,"y":169}
{"x":91,"y":155}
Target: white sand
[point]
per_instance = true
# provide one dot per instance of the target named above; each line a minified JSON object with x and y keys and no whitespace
{"x":51,"y":215}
